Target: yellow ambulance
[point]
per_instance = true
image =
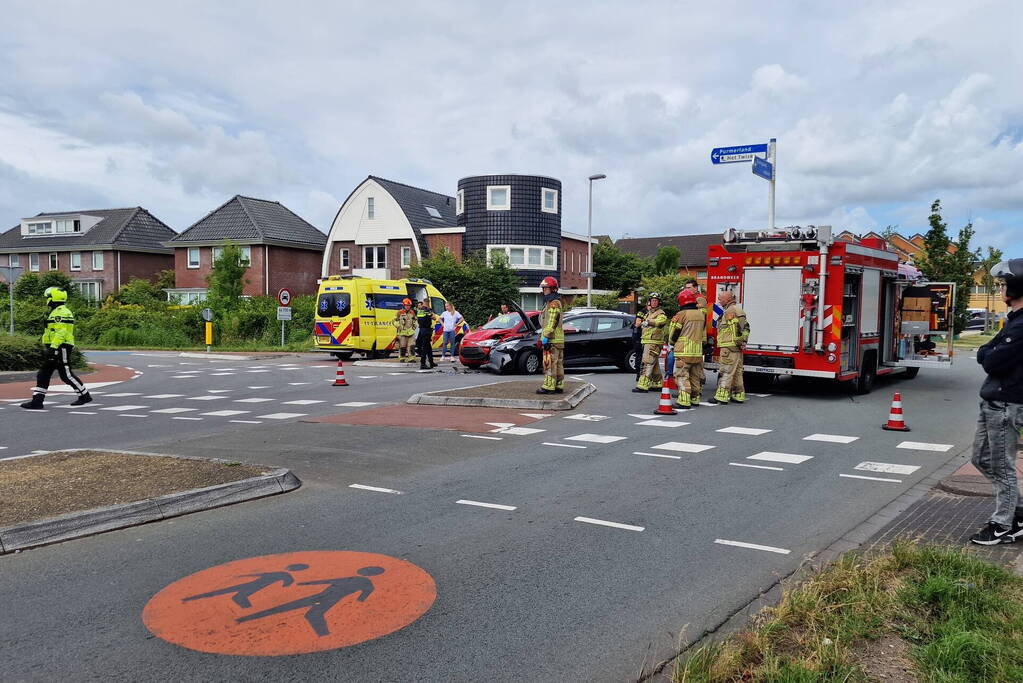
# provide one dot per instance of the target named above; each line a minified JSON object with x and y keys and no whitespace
{"x":356,"y":313}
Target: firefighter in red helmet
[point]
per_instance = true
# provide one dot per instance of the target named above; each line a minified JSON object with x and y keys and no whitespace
{"x":405,"y":327}
{"x":686,"y":333}
{"x":552,"y":338}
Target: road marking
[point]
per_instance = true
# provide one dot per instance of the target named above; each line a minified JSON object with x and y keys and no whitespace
{"x":761,"y":395}
{"x":220,"y":374}
{"x":256,"y":367}
{"x":268,"y":386}
{"x":641,"y":416}
{"x":83,"y":412}
{"x":247,"y":422}
{"x":124,"y":408}
{"x":219,"y":391}
{"x":616,"y":525}
{"x":858,"y":476}
{"x":176,"y":410}
{"x":587,"y":418}
{"x":257,"y":371}
{"x":831,"y":438}
{"x":164,"y":396}
{"x":920,"y":446}
{"x":188,"y":418}
{"x":183,"y":377}
{"x":188,"y":372}
{"x":748,"y":431}
{"x":155,"y":365}
{"x":709,"y":405}
{"x":362,"y":377}
{"x":226,"y":413}
{"x":596,"y":438}
{"x":131,"y":415}
{"x":302,"y":402}
{"x":585,"y":374}
{"x":281,"y":416}
{"x":759,"y":467}
{"x":378,"y":489}
{"x":538,"y":416}
{"x":561,"y":445}
{"x":683,"y":447}
{"x":479,"y":436}
{"x":518,"y":431}
{"x":486,"y":505}
{"x":205,"y":398}
{"x":393,"y":374}
{"x":662,"y":423}
{"x":355,"y":404}
{"x":124,"y":393}
{"x":753,"y":546}
{"x":771,"y":456}
{"x":297,"y":384}
{"x":658,"y":455}
{"x":252,"y":400}
{"x":886,"y":467}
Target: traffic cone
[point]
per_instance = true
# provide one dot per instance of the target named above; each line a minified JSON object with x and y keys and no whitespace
{"x":339,"y":379}
{"x":664,"y":407}
{"x":670,"y":383}
{"x":895,"y":421}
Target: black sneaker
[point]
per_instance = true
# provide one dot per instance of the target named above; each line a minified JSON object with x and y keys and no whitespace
{"x":1017,"y":528}
{"x":992,"y":534}
{"x":559,"y":391}
{"x":82,"y":400}
{"x":541,"y":390}
{"x":637,"y":390}
{"x":32,"y":405}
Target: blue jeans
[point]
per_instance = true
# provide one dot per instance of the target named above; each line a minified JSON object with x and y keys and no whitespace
{"x":994,"y":454}
{"x":447,"y":344}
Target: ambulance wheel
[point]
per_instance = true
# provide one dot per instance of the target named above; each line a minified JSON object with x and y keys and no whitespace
{"x":343,"y":355}
{"x":910,"y":373}
{"x":529,"y":363}
{"x":864,"y":384}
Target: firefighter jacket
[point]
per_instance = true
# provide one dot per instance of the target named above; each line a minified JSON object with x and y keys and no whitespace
{"x":687,"y":332}
{"x":653,"y":326}
{"x":60,"y":327}
{"x":1002,"y":359}
{"x":732,"y":328}
{"x":551,"y":322}
{"x":405,"y":322}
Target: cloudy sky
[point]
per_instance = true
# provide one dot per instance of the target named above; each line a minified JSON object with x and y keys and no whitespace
{"x":878,"y":107}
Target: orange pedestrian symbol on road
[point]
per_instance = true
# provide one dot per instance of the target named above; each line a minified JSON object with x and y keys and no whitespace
{"x":291,"y":603}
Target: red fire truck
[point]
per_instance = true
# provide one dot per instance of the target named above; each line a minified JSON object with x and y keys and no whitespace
{"x":821,"y":307}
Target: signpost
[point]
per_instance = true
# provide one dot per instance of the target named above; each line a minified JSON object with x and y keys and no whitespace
{"x":735,"y":155}
{"x":207,"y":315}
{"x":11,"y":274}
{"x":765,"y":168}
{"x":284,"y":310}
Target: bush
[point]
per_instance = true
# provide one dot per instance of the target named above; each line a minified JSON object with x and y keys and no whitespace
{"x":26,"y":353}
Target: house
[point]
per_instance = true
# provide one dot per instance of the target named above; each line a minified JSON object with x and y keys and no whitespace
{"x":281,"y":249}
{"x":99,"y":250}
{"x":692,"y":251}
{"x":384,"y":227}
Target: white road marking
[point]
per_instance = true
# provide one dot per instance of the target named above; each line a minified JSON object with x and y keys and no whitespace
{"x":302,"y":402}
{"x":297,"y":384}
{"x":595,"y":438}
{"x":247,"y":422}
{"x":124,"y":408}
{"x":478,"y":436}
{"x":759,"y":467}
{"x":267,"y":386}
{"x":362,"y":377}
{"x":188,"y":418}
{"x":658,"y":455}
{"x":753,"y":546}
{"x":683,"y":447}
{"x":219,"y":391}
{"x":155,"y":365}
{"x":131,"y":415}
{"x":252,"y":400}
{"x":641,"y":416}
{"x":164,"y":396}
{"x":378,"y":489}
{"x":486,"y":505}
{"x":858,"y":476}
{"x":920,"y":446}
{"x":661,"y":423}
{"x":206,"y":398}
{"x":709,"y":405}
{"x":226,"y":413}
{"x":392,"y":374}
{"x":188,"y":372}
{"x":760,"y":395}
{"x":220,"y":374}
{"x":518,"y":431}
{"x":538,"y":416}
{"x":771,"y":456}
{"x":748,"y":431}
{"x":124,"y":393}
{"x":355,"y":404}
{"x":257,"y":371}
{"x":501,"y":425}
{"x":256,"y":367}
{"x":561,"y":445}
{"x":83,"y":412}
{"x":831,"y":438}
{"x":587,"y":418}
{"x":886,"y":467}
{"x":616,"y":525}
{"x":280,"y":416}
{"x":183,"y":377}
{"x":176,"y":410}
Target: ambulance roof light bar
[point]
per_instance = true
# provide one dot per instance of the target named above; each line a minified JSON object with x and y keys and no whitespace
{"x":795,"y":233}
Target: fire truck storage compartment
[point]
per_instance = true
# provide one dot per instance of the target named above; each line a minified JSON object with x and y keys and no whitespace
{"x":869,"y":301}
{"x":771,"y":299}
{"x":850,"y":311}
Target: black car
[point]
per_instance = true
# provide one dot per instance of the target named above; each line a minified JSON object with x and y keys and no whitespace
{"x":592,"y":337}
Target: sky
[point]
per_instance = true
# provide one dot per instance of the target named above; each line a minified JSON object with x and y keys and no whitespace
{"x":878,"y":108}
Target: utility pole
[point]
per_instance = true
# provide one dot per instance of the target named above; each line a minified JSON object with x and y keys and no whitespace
{"x":772,"y":158}
{"x":589,"y":244}
{"x":11,"y":274}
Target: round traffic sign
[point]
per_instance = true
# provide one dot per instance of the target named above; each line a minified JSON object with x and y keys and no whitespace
{"x":291,"y":603}
{"x":207,"y":314}
{"x":284,"y":297}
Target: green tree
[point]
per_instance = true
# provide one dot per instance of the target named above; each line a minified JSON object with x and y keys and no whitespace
{"x":993,"y":258}
{"x":167,"y":279}
{"x":141,"y":292}
{"x":667,"y":260}
{"x":475,"y":287}
{"x":889,"y":232}
{"x":944,"y":260}
{"x":28,"y":286}
{"x":668,"y":286}
{"x":56,"y":278}
{"x":616,"y":270}
{"x":227,"y":281}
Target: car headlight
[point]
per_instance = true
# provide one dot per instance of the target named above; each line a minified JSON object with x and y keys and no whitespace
{"x":487,"y":343}
{"x":504,"y":346}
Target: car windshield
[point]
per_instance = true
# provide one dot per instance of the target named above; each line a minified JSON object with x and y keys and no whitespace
{"x":505,"y":321}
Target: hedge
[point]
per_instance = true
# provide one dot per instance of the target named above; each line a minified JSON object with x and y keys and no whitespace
{"x":26,"y":353}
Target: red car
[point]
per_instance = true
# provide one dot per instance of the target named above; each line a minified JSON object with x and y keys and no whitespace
{"x":475,"y":349}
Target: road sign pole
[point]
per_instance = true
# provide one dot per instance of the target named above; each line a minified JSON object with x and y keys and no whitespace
{"x":774,"y":176}
{"x":282,"y":333}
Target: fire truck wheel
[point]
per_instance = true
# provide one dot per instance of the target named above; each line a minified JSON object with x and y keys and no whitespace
{"x":910,"y":373}
{"x":868,"y":374}
{"x":758,"y":381}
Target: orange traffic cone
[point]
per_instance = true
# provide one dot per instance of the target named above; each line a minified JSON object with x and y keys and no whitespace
{"x":664,"y":407}
{"x":670,"y":383}
{"x":339,"y":380}
{"x":895,"y":421}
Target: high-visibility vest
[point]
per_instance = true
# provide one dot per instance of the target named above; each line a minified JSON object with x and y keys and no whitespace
{"x":60,"y":327}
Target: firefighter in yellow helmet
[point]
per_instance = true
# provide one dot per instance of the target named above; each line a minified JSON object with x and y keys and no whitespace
{"x":405,"y":325}
{"x":58,"y":340}
{"x":552,"y":338}
{"x":650,"y":377}
{"x":686,"y":332}
{"x":733,"y":331}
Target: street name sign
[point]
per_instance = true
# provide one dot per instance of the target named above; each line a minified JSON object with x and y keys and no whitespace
{"x":763,"y":168}
{"x":734,"y":155}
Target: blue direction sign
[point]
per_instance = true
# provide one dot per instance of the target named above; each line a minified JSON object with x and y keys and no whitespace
{"x":763,"y":168}
{"x":734,"y":155}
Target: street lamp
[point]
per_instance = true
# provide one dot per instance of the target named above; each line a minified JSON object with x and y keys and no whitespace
{"x":11,"y":274}
{"x":589,"y":244}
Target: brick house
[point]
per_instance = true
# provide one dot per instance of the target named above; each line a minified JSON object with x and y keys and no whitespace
{"x":692,"y":251}
{"x":99,"y":250}
{"x":281,"y":248}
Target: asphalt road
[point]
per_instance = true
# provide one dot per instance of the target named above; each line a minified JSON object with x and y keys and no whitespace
{"x":528,"y":593}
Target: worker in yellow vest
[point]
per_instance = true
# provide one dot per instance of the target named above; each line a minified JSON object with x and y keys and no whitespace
{"x":58,"y":341}
{"x":405,"y":325}
{"x":651,"y":378}
{"x":733,"y":331}
{"x":552,"y":339}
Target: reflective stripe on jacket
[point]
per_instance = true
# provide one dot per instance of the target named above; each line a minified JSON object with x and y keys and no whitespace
{"x":551,"y":324}
{"x":60,"y":327}
{"x":687,"y":331}
{"x":653,"y":331}
{"x":405,"y":323}
{"x":733,"y":327}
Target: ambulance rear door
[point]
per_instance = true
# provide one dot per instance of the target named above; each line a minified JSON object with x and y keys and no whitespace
{"x":925,"y":325}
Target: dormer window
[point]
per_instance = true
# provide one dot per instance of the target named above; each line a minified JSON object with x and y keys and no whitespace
{"x":40,"y":228}
{"x":68,"y":225}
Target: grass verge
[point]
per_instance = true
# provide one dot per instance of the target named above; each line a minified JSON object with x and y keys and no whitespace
{"x":974,"y":341}
{"x":917,"y":613}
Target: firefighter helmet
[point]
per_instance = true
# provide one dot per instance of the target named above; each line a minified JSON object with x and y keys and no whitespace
{"x":1011,"y":273}
{"x":406,"y":301}
{"x":549,"y":282}
{"x":686,"y":296}
{"x":55,"y":294}
{"x":652,"y":296}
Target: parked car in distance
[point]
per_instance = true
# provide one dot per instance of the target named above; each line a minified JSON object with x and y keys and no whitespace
{"x":475,"y":349}
{"x":592,"y":338}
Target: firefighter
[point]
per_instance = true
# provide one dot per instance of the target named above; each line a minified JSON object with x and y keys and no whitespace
{"x":733,"y":331}
{"x":425,"y":320}
{"x":701,"y":306}
{"x":405,"y":325}
{"x":58,"y":341}
{"x":653,"y":340}
{"x":686,"y":333}
{"x":637,"y":341}
{"x":552,"y":338}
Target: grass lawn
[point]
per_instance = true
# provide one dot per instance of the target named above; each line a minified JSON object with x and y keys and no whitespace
{"x":974,"y":341}
{"x":917,"y":613}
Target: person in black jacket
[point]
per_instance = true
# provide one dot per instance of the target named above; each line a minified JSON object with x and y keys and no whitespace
{"x":1001,"y":412}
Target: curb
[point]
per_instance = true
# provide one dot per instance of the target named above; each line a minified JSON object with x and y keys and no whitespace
{"x":98,"y":520}
{"x":399,"y":367}
{"x":967,"y":485}
{"x":568,"y":402}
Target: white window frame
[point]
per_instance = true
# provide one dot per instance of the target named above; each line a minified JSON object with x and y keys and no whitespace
{"x":97,"y":257}
{"x":344,"y":259}
{"x":246,"y":256}
{"x":498,"y":207}
{"x":76,"y":256}
{"x":460,"y":202}
{"x":552,"y":252}
{"x":544,"y":192}
{"x":90,"y":285}
{"x":40,"y":228}
{"x":14,"y":260}
{"x":53,"y":260}
{"x":406,"y":257}
{"x":188,"y":258}
{"x":33,"y":262}
{"x":375,"y":264}
{"x":216,"y":252}
{"x":371,"y":208}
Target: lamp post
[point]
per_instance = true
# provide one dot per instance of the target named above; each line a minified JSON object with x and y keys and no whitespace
{"x":589,"y":244}
{"x":11,"y":274}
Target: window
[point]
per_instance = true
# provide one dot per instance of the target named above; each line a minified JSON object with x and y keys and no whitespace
{"x":701,"y":275}
{"x":65,"y":226}
{"x":246,"y":257}
{"x":217,"y":251}
{"x":76,"y":260}
{"x":582,"y":324}
{"x":97,"y":260}
{"x":40,"y":228}
{"x":531,"y":302}
{"x":193,"y":257}
{"x":15,"y":260}
{"x":498,"y":252}
{"x":517,"y":256}
{"x":434,"y":213}
{"x":534,"y":255}
{"x":978,"y":289}
{"x":91,"y":291}
{"x":437,"y":304}
{"x":371,"y":208}
{"x":406,"y":257}
{"x":334,"y":305}
{"x":343,"y":261}
{"x":610,"y":324}
{"x":53,"y":261}
{"x":460,"y":202}
{"x":548,"y":258}
{"x":374,"y":257}
{"x":549,"y":200}
{"x":525,"y":257}
{"x":498,"y":197}
{"x":33,"y":262}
